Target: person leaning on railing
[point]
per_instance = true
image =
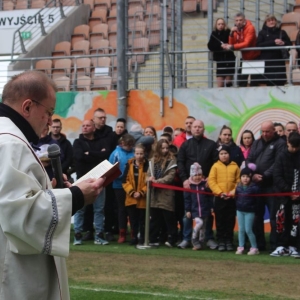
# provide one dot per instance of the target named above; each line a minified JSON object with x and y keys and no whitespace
{"x":225,"y":59}
{"x":271,"y":35}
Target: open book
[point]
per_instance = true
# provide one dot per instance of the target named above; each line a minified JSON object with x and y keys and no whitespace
{"x":105,"y":168}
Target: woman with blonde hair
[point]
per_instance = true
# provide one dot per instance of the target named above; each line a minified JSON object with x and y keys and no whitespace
{"x":225,"y":58}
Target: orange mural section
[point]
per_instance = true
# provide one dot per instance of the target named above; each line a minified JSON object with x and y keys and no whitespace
{"x":144,"y":108}
{"x":105,"y":100}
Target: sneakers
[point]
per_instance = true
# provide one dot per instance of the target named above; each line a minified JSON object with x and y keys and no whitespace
{"x":293,"y":251}
{"x":99,"y":239}
{"x":253,"y":251}
{"x":89,"y":236}
{"x":222,"y":247}
{"x":109,"y":236}
{"x":184,"y":244}
{"x":212,"y":244}
{"x":169,"y":244}
{"x":239,"y":250}
{"x":196,"y":244}
{"x":229,"y":247}
{"x":77,"y":239}
{"x":280,"y":251}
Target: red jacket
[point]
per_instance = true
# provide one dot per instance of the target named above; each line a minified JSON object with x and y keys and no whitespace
{"x":245,"y":38}
{"x":179,"y":140}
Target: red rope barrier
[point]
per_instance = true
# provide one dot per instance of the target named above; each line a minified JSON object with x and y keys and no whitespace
{"x":177,"y":188}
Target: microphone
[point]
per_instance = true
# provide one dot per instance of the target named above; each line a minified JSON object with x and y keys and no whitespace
{"x":54,"y":155}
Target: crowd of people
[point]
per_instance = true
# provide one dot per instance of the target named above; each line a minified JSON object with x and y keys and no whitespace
{"x":224,"y":41}
{"x":221,"y":181}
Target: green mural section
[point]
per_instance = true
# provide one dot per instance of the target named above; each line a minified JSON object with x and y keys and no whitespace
{"x":64,"y":100}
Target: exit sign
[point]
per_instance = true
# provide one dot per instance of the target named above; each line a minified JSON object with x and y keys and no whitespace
{"x":26,"y":35}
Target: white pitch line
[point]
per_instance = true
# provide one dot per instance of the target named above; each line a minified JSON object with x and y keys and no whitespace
{"x":139,"y":293}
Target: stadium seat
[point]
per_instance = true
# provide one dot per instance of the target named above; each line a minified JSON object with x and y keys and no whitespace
{"x":296,"y":77}
{"x":80,"y":33}
{"x":90,"y":3}
{"x":189,"y":6}
{"x":140,"y":45}
{"x":101,"y":62}
{"x":154,"y":33}
{"x":101,"y":83}
{"x":133,"y":3}
{"x":44,"y":65}
{"x":83,"y":83}
{"x":38,"y":3}
{"x":81,"y":48}
{"x":135,"y":14}
{"x":296,"y":8}
{"x":62,"y":49}
{"x":113,"y":4}
{"x":137,"y":29}
{"x":62,"y":83}
{"x":105,"y":4}
{"x":83,"y":67}
{"x":204,"y":5}
{"x":112,"y":19}
{"x":8,"y":5}
{"x":99,"y":32}
{"x":21,"y":4}
{"x":69,"y":2}
{"x":99,"y":47}
{"x":98,"y":16}
{"x":290,"y":22}
{"x":112,"y":37}
{"x":62,"y":67}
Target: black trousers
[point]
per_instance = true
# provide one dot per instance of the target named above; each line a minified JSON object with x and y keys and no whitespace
{"x":225,"y":212}
{"x":287,"y":224}
{"x":159,"y":217}
{"x":258,"y":227}
{"x":88,"y":223}
{"x":111,"y":223}
{"x":137,"y":221}
{"x":122,"y":214}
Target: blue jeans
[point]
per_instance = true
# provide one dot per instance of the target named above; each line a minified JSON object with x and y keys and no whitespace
{"x":245,"y":221}
{"x":98,"y":207}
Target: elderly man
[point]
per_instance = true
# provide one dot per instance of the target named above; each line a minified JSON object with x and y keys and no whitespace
{"x":203,"y":151}
{"x":34,"y":218}
{"x":263,"y":153}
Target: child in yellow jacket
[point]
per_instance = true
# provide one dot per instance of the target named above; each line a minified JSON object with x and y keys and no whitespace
{"x":135,"y":187}
{"x":222,"y":180}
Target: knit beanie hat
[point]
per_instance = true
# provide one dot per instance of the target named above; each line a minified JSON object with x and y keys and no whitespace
{"x":225,"y":148}
{"x":136,"y":128}
{"x":195,"y":170}
{"x":246,"y":171}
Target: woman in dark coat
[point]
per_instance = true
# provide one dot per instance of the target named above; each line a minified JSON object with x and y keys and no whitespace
{"x":271,"y":36}
{"x":225,"y":58}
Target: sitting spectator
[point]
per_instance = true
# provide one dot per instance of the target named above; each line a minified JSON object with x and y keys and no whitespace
{"x":270,"y":36}
{"x":225,"y":58}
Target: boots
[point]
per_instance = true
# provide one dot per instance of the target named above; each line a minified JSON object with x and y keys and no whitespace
{"x":122,"y":236}
{"x":134,"y":239}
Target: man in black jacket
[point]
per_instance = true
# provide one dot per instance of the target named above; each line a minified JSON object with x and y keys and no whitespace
{"x":65,"y":146}
{"x":287,"y":180}
{"x":89,"y":151}
{"x":263,"y":153}
{"x":203,"y":151}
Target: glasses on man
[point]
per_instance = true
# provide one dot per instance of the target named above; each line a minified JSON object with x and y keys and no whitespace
{"x":50,"y":111}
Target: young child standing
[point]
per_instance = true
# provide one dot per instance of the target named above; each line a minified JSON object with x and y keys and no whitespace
{"x":122,"y":154}
{"x":222,"y":180}
{"x":162,"y":169}
{"x":197,"y":206}
{"x":135,"y":187}
{"x":246,"y":206}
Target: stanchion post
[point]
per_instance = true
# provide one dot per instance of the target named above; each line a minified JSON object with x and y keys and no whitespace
{"x":147,"y":218}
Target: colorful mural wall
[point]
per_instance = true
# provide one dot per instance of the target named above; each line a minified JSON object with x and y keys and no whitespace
{"x":239,"y":108}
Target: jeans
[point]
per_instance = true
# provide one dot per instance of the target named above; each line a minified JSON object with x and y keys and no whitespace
{"x":245,"y":221}
{"x":98,"y":215}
